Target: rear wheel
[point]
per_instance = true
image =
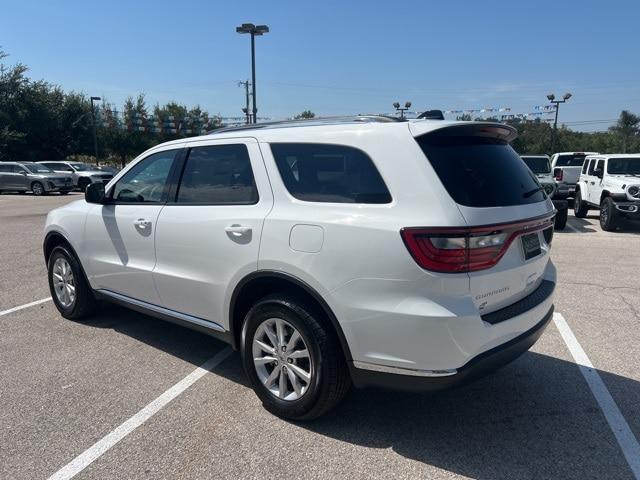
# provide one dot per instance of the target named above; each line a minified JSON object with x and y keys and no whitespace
{"x":608,"y":215}
{"x":83,"y":183}
{"x":561,"y":219}
{"x":580,"y":208}
{"x":70,"y":291}
{"x":37,"y":188}
{"x":292,"y":358}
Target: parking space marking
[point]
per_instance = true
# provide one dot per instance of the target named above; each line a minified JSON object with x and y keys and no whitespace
{"x":83,"y":460}
{"x":625,"y":437}
{"x":26,"y":305}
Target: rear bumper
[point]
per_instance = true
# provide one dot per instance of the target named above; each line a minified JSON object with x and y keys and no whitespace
{"x":565,"y":190}
{"x":477,"y":367}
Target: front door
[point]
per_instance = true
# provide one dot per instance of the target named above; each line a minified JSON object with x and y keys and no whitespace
{"x":120,"y":234}
{"x":595,"y":184}
{"x":208,"y":238}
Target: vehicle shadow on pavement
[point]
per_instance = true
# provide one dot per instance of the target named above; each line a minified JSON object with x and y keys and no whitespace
{"x":580,"y":225}
{"x":535,"y":418}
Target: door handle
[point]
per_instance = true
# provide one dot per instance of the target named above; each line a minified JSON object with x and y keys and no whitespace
{"x":237,"y":230}
{"x":593,"y":183}
{"x":142,"y":223}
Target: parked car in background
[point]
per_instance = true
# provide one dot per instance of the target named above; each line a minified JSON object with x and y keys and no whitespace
{"x":33,"y":177}
{"x":83,"y":174}
{"x":566,"y":168}
{"x":108,"y":169}
{"x":612,"y":184}
{"x":406,"y":254}
{"x":541,"y":168}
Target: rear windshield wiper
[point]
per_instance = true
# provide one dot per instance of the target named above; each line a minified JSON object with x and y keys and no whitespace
{"x":531,"y":192}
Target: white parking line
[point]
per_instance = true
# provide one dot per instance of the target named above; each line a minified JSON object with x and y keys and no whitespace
{"x":26,"y":305}
{"x":627,"y":441}
{"x":83,"y":460}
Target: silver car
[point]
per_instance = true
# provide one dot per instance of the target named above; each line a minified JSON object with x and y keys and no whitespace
{"x":29,"y":176}
{"x":83,"y":174}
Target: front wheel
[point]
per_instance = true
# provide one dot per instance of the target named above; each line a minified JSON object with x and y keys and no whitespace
{"x":580,"y":207}
{"x":70,"y":291}
{"x":37,"y":188}
{"x":292,"y":358}
{"x":608,"y":216}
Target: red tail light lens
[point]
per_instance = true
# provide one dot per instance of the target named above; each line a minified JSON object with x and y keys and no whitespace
{"x":458,"y":250}
{"x":557,"y":173}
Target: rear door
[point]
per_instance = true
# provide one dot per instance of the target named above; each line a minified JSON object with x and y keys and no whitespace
{"x":5,"y":175}
{"x":208,"y":235}
{"x":493,"y":186}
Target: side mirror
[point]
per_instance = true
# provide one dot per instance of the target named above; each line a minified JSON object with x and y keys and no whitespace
{"x":23,"y":173}
{"x":95,"y":193}
{"x":599,"y":172}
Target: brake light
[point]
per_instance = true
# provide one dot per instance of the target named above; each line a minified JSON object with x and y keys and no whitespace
{"x":558,"y":173}
{"x":466,"y":249}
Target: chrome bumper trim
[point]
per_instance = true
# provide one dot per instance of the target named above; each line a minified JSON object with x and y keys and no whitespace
{"x":404,"y":371}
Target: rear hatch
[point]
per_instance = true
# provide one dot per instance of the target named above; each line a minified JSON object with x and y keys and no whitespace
{"x":509,"y":216}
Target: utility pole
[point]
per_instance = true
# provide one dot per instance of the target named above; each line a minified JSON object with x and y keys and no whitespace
{"x":253,"y":30}
{"x":95,"y":135}
{"x":246,"y":108}
{"x":554,"y":133}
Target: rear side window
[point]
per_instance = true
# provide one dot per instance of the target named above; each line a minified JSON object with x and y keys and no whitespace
{"x":573,"y":160}
{"x":329,"y":173}
{"x":480,"y":171}
{"x":5,"y":168}
{"x":218,"y":175}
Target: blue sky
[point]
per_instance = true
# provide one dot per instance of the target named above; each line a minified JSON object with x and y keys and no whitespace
{"x":338,"y":57}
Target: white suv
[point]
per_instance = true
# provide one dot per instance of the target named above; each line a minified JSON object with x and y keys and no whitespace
{"x":610,"y":183}
{"x":364,"y":251}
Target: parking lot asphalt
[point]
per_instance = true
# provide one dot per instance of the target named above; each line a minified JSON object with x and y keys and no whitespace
{"x":66,"y":385}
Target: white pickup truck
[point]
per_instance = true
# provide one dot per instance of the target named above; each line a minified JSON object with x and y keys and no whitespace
{"x":566,"y":167}
{"x":612,"y":184}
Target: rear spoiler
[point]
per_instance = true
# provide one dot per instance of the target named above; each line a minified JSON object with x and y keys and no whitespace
{"x":498,"y":131}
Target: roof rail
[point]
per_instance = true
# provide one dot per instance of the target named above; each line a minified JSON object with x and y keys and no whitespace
{"x":309,"y":122}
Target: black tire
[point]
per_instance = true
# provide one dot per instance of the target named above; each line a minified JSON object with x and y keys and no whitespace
{"x":580,"y":207}
{"x":85,"y":301}
{"x":83,"y":183}
{"x":64,"y":192}
{"x":561,"y":219}
{"x":608,"y":215}
{"x":38,"y":189}
{"x":330,"y":379}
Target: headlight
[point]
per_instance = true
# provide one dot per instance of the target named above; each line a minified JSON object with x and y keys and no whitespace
{"x":634,"y":191}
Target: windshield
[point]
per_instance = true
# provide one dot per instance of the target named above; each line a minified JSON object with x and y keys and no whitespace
{"x":620,"y":166}
{"x":538,"y":164}
{"x":573,"y":160}
{"x":37,"y":168}
{"x":81,"y":167}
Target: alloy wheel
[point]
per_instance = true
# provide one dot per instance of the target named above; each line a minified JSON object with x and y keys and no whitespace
{"x":281,"y":359}
{"x":63,"y":282}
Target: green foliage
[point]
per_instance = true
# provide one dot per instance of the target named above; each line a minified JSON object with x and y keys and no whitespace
{"x":305,"y":115}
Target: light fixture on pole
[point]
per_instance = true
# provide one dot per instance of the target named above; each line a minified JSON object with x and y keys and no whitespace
{"x":552,"y":99}
{"x":253,"y":30}
{"x":407,"y":106}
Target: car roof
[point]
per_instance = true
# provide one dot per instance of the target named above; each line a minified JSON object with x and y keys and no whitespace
{"x":614,"y":155}
{"x":535,"y":155}
{"x":334,"y":128}
{"x":576,"y":153}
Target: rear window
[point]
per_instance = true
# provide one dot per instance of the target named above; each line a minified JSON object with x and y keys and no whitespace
{"x":329,"y":173}
{"x":570,"y":160}
{"x":480,"y":171}
{"x":538,"y":164}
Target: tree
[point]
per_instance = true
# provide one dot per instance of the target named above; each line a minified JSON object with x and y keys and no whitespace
{"x":305,"y":115}
{"x":627,"y":129}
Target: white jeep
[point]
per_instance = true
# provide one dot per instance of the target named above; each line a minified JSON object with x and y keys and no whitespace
{"x":612,"y":184}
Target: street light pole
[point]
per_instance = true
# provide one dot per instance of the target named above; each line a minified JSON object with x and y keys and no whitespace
{"x":554,"y":133}
{"x":95,"y":135}
{"x":254,"y":31}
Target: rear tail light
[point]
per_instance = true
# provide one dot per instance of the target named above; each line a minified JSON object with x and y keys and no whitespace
{"x":557,"y":173}
{"x":466,"y":249}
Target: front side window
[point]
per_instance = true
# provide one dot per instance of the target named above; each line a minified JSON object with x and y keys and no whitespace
{"x":218,"y":175}
{"x":329,"y":173}
{"x":37,"y":168}
{"x":146,"y":182}
{"x":81,"y":167}
{"x":592,"y":166}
